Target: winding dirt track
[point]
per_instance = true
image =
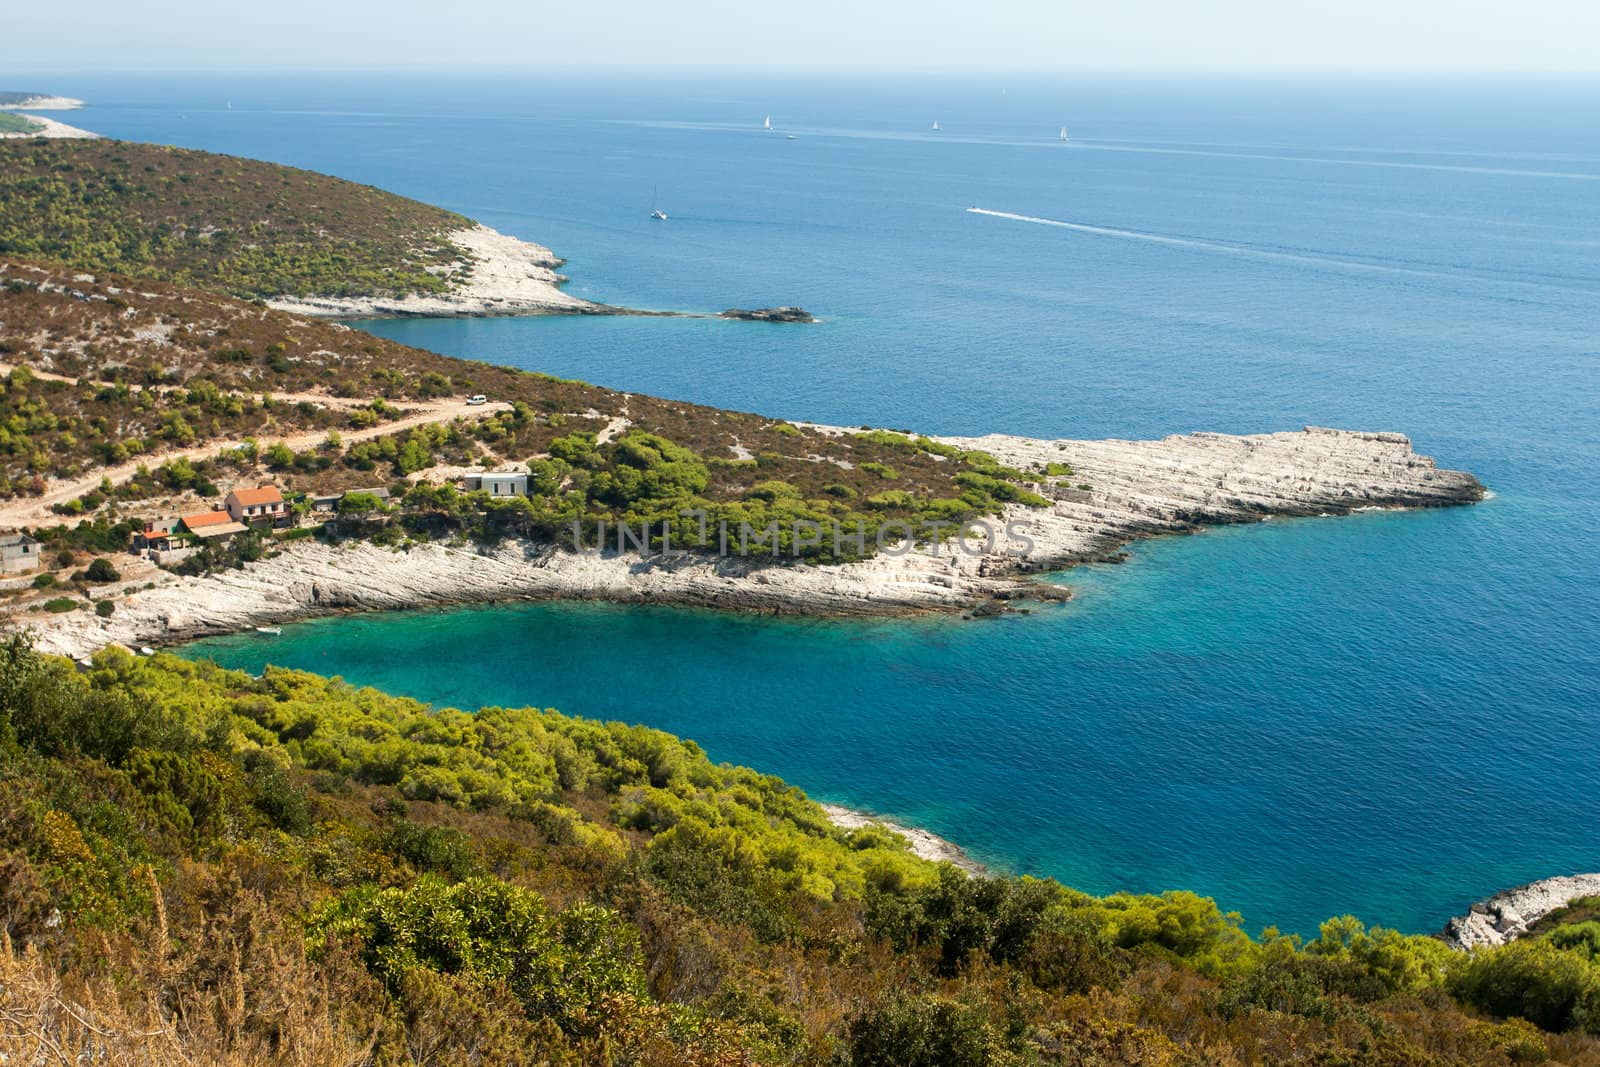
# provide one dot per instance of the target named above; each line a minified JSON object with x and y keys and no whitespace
{"x":35,"y":510}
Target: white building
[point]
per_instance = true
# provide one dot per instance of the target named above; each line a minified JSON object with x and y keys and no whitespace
{"x":497,"y":483}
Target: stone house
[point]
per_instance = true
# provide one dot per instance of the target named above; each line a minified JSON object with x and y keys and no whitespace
{"x":18,"y":552}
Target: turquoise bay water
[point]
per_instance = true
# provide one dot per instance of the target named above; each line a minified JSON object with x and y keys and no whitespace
{"x":1391,"y":715}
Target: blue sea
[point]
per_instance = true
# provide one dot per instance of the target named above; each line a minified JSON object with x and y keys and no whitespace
{"x":1390,"y":715}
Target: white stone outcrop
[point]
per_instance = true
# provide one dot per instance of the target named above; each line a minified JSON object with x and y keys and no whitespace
{"x":1507,"y":916}
{"x":1179,"y":483}
{"x":504,"y":275}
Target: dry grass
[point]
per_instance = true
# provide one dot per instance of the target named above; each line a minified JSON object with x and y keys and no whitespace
{"x":46,"y":1018}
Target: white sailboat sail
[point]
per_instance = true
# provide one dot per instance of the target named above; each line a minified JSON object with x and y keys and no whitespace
{"x":1063,"y":133}
{"x":767,"y":125}
{"x":935,"y":125}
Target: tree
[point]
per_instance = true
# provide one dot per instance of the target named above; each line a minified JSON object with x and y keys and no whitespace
{"x":101,"y":570}
{"x":358,"y":504}
{"x":279,"y":456}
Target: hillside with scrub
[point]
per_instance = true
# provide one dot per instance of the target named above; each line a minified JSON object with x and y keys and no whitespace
{"x":204,"y":866}
{"x":232,"y":225}
{"x":145,"y":394}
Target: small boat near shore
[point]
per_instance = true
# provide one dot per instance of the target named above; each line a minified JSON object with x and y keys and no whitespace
{"x":272,"y":631}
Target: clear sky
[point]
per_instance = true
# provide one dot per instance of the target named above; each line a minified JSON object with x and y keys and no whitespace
{"x":1059,"y":35}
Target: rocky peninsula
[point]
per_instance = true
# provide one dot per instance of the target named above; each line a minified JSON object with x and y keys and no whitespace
{"x":49,"y":129}
{"x":500,"y":275}
{"x":14,"y":101}
{"x":1140,"y":489}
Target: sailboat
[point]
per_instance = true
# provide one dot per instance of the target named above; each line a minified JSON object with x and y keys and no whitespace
{"x":655,"y":212}
{"x":767,"y":125}
{"x":1063,"y":134}
{"x":935,"y":125}
{"x":230,"y":105}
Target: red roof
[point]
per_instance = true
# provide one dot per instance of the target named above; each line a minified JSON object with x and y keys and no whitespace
{"x":206,"y":518}
{"x":267,"y":494}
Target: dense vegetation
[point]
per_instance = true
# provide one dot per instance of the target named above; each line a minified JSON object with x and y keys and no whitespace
{"x":10,"y":123}
{"x":201,"y":864}
{"x":110,"y":372}
{"x":219,"y":222}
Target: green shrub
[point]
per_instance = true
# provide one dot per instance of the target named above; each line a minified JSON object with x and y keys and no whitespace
{"x":924,"y":1031}
{"x":359,"y":504}
{"x":101,"y":570}
{"x":276,"y":795}
{"x":1581,"y":937}
{"x":1553,"y":988}
{"x":557,"y":965}
{"x":104,"y":608}
{"x":432,"y":849}
{"x":61,"y":604}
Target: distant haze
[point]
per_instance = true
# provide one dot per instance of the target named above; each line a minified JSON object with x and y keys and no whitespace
{"x":1063,"y":35}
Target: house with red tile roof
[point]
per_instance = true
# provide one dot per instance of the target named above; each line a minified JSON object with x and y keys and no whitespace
{"x":169,"y":540}
{"x":263,"y":505}
{"x":210,"y":525}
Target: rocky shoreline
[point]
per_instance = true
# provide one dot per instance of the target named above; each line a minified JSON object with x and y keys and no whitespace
{"x":38,"y":102}
{"x":503,"y":275}
{"x":1506,"y":916}
{"x":51,"y":129}
{"x":927,"y":846}
{"x":1137,"y":489}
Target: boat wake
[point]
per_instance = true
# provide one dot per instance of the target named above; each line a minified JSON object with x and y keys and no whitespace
{"x":1256,"y":252}
{"x":1345,"y":161}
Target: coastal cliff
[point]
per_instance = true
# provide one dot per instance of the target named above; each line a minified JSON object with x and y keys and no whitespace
{"x":1142,"y":489}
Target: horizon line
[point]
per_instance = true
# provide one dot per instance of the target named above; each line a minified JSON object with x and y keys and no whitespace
{"x":974,"y":70}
